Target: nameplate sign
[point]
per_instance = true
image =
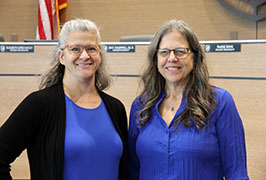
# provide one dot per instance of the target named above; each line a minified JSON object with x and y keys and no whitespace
{"x":222,"y":47}
{"x":16,"y":48}
{"x":119,"y":48}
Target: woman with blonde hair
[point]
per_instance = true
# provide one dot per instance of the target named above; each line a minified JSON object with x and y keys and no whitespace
{"x":71,"y":129}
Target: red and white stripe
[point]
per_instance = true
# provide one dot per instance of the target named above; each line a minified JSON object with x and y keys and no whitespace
{"x":48,"y":19}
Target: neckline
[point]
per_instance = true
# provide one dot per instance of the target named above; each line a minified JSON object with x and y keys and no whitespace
{"x":177,"y":113}
{"x":83,"y":108}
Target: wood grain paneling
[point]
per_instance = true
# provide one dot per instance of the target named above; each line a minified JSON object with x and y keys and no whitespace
{"x":247,"y":63}
{"x":250,"y":99}
{"x":261,"y":30}
{"x":27,"y":63}
{"x":13,"y":91}
{"x":19,"y":17}
{"x":249,"y":94}
{"x":118,"y":18}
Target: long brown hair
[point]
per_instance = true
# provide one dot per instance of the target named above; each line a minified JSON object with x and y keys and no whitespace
{"x":199,"y":94}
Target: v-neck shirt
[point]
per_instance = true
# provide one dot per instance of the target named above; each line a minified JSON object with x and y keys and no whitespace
{"x":159,"y":152}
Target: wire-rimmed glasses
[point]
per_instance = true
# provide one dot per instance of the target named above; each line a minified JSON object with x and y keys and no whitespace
{"x":78,"y":49}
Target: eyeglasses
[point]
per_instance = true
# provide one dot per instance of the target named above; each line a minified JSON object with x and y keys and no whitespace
{"x":178,"y":52}
{"x":78,"y":49}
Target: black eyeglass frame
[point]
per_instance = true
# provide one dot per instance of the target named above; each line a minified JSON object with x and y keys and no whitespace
{"x":178,"y":52}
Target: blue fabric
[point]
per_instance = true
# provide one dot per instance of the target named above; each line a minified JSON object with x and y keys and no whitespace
{"x":159,"y":152}
{"x":92,"y":146}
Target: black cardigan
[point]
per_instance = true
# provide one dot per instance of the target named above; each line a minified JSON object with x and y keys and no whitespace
{"x":38,"y":125}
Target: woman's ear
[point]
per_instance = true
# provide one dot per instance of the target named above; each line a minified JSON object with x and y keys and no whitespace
{"x":100,"y":47}
{"x":61,"y":57}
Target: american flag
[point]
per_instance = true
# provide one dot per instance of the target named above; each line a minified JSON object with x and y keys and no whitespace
{"x":48,"y":19}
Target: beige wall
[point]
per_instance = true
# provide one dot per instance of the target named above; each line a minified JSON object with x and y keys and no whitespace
{"x":19,"y":17}
{"x":262,"y":29}
{"x":249,"y":94}
{"x":116,"y":18}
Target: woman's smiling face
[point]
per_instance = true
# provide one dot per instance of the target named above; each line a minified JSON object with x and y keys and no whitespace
{"x":81,"y":56}
{"x":175,"y":70}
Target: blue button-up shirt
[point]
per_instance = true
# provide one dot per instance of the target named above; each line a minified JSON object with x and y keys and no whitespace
{"x":159,"y":152}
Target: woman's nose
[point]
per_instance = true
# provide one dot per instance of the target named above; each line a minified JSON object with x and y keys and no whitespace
{"x":84,"y":53}
{"x":172,"y":56}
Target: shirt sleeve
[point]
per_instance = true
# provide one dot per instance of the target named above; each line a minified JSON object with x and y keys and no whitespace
{"x":17,"y":133}
{"x":231,"y":139}
{"x":133,"y":173}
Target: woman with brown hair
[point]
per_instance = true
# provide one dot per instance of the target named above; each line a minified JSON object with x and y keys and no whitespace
{"x":181,"y":127}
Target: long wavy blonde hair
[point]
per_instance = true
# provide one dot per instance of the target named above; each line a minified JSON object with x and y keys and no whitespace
{"x":56,"y":72}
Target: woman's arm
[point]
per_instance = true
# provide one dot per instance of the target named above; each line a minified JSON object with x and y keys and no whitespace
{"x":132,"y":138}
{"x":17,"y":133}
{"x":231,"y":140}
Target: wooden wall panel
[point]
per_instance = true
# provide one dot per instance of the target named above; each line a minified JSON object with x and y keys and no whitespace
{"x":118,"y":18}
{"x":127,"y":63}
{"x":261,"y":30}
{"x":20,"y":17}
{"x":247,"y":63}
{"x":207,"y":17}
{"x":27,"y":63}
{"x":250,"y":99}
{"x":249,"y":94}
{"x":13,"y":91}
{"x":126,"y":89}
